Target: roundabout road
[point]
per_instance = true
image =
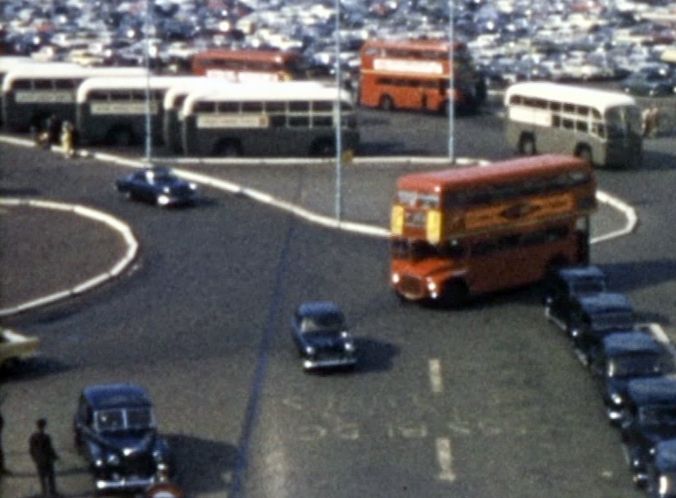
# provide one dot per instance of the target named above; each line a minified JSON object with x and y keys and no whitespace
{"x":487,"y":401}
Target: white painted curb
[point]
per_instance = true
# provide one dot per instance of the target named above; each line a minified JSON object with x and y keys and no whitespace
{"x":122,"y":228}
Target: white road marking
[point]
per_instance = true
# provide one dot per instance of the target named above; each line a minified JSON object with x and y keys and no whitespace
{"x":436,"y":381}
{"x":445,"y":459}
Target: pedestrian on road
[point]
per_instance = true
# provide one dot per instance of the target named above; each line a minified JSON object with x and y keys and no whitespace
{"x":3,"y":468}
{"x":43,"y":455}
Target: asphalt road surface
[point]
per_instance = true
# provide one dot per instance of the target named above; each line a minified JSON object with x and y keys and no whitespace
{"x":488,"y":401}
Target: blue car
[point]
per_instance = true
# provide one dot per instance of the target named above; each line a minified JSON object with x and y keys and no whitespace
{"x":157,"y":185}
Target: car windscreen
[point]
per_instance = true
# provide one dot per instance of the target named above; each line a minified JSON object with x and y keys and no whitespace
{"x":110,"y":420}
{"x":636,"y":365}
{"x":139,"y":418}
{"x":323,"y":322}
{"x":613,"y":320}
{"x":124,"y":419}
{"x":657,"y":415}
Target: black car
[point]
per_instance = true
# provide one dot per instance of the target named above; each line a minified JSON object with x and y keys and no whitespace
{"x":157,"y":185}
{"x":649,"y":82}
{"x":115,"y":431}
{"x":649,"y":418}
{"x":661,"y":470}
{"x":321,"y":336}
{"x":594,"y":316}
{"x":565,"y":285}
{"x":623,"y":356}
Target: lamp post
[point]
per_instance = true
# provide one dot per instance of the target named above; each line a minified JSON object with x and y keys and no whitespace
{"x":339,"y":119}
{"x":146,"y":61}
{"x":451,"y":86}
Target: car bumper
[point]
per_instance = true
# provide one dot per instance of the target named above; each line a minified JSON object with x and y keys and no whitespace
{"x":124,"y":483}
{"x":313,"y":364}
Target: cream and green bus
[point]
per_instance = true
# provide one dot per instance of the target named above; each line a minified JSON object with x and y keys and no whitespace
{"x":600,"y":126}
{"x":31,"y":93}
{"x":115,"y":110}
{"x":268,"y":119}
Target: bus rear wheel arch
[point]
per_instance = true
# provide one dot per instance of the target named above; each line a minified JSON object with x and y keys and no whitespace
{"x":527,"y":144}
{"x":228,"y":148}
{"x":386,"y":103}
{"x":584,"y":152}
{"x":323,"y":147}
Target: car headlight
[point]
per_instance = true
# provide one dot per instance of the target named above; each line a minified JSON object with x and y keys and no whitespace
{"x":192,"y":186}
{"x":349,"y":346}
{"x":431,"y":286}
{"x":309,"y":350}
{"x":163,"y":200}
{"x":113,"y":459}
{"x":616,"y":398}
{"x":663,"y":486}
{"x":158,"y":456}
{"x":395,"y":278}
{"x":166,"y":190}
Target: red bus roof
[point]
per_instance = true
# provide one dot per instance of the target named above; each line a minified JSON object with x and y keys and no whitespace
{"x":502,"y":171}
{"x":274,"y":56}
{"x":410,"y":44}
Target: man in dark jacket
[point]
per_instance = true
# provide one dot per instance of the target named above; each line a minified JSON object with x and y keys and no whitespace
{"x":43,"y":455}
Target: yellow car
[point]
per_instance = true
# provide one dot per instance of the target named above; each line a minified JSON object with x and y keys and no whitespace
{"x":15,"y":348}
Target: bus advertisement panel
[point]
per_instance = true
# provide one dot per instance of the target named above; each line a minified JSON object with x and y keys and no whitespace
{"x":31,"y":93}
{"x":248,"y":65}
{"x":466,"y":231}
{"x":273,"y":119}
{"x":600,"y":126}
{"x":414,"y":74}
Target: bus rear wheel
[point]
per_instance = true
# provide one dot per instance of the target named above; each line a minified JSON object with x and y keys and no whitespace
{"x":228,"y":148}
{"x":527,"y":145}
{"x":584,"y":153}
{"x":386,"y":103}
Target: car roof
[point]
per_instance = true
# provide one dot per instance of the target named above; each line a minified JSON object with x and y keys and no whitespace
{"x":579,"y":272}
{"x":653,"y":390}
{"x":630,"y":342}
{"x":102,"y":396}
{"x":316,"y":308}
{"x":604,"y":301}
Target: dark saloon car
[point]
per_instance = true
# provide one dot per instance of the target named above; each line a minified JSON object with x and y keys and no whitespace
{"x":565,"y":285}
{"x":594,"y":316}
{"x":650,"y":417}
{"x":661,"y":470}
{"x":157,"y":185}
{"x":650,"y":82}
{"x":115,"y":431}
{"x":623,"y":356}
{"x":321,"y":336}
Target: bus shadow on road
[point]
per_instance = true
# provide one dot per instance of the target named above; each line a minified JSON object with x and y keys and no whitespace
{"x":203,"y":466}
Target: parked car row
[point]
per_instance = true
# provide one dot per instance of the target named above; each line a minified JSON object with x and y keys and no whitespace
{"x":634,"y":366}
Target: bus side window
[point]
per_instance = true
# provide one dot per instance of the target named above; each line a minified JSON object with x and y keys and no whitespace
{"x":581,"y":126}
{"x":599,"y":130}
{"x":22,"y":85}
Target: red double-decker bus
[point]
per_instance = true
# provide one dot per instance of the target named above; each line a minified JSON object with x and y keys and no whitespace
{"x":248,"y":65}
{"x":466,"y":231}
{"x":414,"y":74}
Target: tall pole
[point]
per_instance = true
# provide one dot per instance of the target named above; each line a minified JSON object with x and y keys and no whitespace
{"x":451,"y":86}
{"x":339,"y":119}
{"x":146,"y":60}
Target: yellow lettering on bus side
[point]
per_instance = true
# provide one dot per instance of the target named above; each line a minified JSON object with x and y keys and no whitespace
{"x":433,"y":226}
{"x":397,"y":220}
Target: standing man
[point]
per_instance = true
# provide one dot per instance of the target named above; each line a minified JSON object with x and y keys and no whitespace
{"x":43,"y":455}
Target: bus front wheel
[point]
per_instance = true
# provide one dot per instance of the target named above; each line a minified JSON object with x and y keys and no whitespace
{"x":386,"y":103}
{"x":527,"y":145}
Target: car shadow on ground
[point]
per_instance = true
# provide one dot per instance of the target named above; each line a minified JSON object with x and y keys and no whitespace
{"x":32,"y":369}
{"x":374,"y":355}
{"x":203,"y":466}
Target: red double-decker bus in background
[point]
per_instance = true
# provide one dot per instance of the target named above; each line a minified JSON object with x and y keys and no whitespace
{"x":414,"y":74}
{"x":466,"y":231}
{"x":248,"y":65}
